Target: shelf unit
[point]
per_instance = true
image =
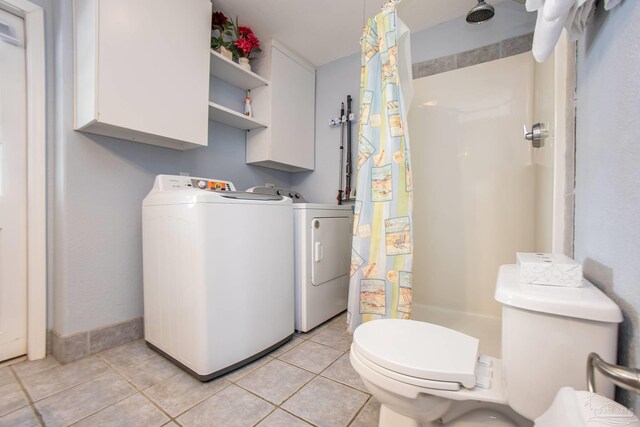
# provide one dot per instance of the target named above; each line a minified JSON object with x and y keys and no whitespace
{"x":232,"y":73}
{"x":221,"y":114}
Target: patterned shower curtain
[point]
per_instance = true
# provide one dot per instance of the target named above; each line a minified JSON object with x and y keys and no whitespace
{"x":382,"y":249}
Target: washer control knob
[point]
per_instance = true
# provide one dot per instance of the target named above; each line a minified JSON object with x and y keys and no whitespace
{"x":201,"y":184}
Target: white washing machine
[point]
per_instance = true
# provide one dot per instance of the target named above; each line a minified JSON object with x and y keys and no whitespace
{"x":322,"y":246}
{"x":218,"y":273}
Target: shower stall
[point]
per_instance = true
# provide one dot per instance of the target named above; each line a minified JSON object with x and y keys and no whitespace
{"x":481,"y":191}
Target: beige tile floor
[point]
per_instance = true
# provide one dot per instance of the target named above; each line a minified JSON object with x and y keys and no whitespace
{"x":308,"y":381}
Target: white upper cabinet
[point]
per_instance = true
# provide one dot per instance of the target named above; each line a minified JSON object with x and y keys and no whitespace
{"x":288,"y":106}
{"x":142,"y":70}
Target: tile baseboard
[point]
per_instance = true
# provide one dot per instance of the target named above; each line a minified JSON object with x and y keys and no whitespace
{"x":76,"y":346}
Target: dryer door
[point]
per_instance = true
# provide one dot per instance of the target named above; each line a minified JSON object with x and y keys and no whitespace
{"x":331,"y":248}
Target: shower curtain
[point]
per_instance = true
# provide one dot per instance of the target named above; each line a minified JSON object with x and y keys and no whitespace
{"x":382,"y":248}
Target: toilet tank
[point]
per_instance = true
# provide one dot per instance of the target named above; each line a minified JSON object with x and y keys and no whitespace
{"x":547,"y":334}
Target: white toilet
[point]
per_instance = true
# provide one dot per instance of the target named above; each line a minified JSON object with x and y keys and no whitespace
{"x":572,"y":408}
{"x":425,"y":374}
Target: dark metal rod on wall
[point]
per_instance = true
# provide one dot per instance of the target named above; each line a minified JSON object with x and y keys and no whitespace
{"x":341,"y":153}
{"x":347,"y":191}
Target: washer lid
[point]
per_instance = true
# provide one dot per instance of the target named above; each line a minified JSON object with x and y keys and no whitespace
{"x":192,"y":195}
{"x":419,"y":349}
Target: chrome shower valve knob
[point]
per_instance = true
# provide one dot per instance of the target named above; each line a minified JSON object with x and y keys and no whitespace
{"x":537,"y":135}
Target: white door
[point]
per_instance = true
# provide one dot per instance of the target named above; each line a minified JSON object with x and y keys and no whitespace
{"x":331,"y":240}
{"x":13,"y":188}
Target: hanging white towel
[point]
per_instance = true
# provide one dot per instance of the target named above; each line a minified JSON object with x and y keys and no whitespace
{"x":577,"y":19}
{"x":555,"y":9}
{"x":546,"y":36}
{"x":553,"y":15}
{"x":610,"y":4}
{"x":533,"y":5}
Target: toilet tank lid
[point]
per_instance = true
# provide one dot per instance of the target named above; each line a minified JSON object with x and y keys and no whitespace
{"x":584,"y":302}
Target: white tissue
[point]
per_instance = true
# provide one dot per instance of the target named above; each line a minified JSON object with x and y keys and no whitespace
{"x":549,"y":269}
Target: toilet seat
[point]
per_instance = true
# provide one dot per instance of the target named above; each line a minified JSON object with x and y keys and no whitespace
{"x":418,"y":353}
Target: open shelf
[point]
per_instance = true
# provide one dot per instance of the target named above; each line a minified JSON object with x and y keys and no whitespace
{"x":221,"y":114}
{"x":231,"y":72}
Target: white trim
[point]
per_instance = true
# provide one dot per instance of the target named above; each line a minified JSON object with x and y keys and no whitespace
{"x":293,"y":56}
{"x":36,"y":176}
{"x":564,"y":78}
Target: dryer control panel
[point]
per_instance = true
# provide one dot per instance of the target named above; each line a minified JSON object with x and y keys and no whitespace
{"x":278,"y":191}
{"x":179,"y":182}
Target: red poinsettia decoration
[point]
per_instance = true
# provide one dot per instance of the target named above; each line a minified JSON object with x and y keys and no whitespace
{"x":218,"y":21}
{"x":244,"y":31}
{"x":246,"y":42}
{"x":222,"y":31}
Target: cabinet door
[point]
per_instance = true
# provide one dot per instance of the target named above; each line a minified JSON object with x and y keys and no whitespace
{"x":148,"y":68}
{"x":292,"y":115}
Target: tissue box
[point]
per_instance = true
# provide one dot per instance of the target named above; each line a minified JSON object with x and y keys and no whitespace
{"x":549,"y":269}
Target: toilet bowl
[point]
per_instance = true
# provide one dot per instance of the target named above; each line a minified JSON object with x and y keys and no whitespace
{"x":426,"y":375}
{"x":572,"y":408}
{"x":419,"y":384}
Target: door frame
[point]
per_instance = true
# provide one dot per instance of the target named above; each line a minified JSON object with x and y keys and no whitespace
{"x":33,"y":16}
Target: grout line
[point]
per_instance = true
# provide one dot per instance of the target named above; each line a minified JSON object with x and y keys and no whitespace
{"x":70,"y":387}
{"x":39,"y":372}
{"x":305,"y":369}
{"x":332,"y":323}
{"x":157,"y":405}
{"x":139,"y":390}
{"x":30,"y":404}
{"x":277,"y":405}
{"x":298,"y":417}
{"x":206,"y":398}
{"x":100,"y":355}
{"x":359,"y":411}
{"x":275,"y":408}
{"x":108,"y":406}
{"x":319,"y":343}
{"x":346,"y":385}
{"x":13,"y":361}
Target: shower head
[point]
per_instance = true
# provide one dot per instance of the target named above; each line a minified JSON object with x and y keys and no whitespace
{"x":482,"y":12}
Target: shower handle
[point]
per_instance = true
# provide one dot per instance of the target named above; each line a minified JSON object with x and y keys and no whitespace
{"x":537,"y":135}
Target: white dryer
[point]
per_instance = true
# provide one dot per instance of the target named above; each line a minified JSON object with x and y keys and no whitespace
{"x":218,"y":273}
{"x":322,"y":247}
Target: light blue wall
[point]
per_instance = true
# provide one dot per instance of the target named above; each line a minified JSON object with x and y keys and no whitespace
{"x":96,"y":184}
{"x":607,"y":214}
{"x":334,"y":82}
{"x":341,"y":77}
{"x":99,"y":184}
